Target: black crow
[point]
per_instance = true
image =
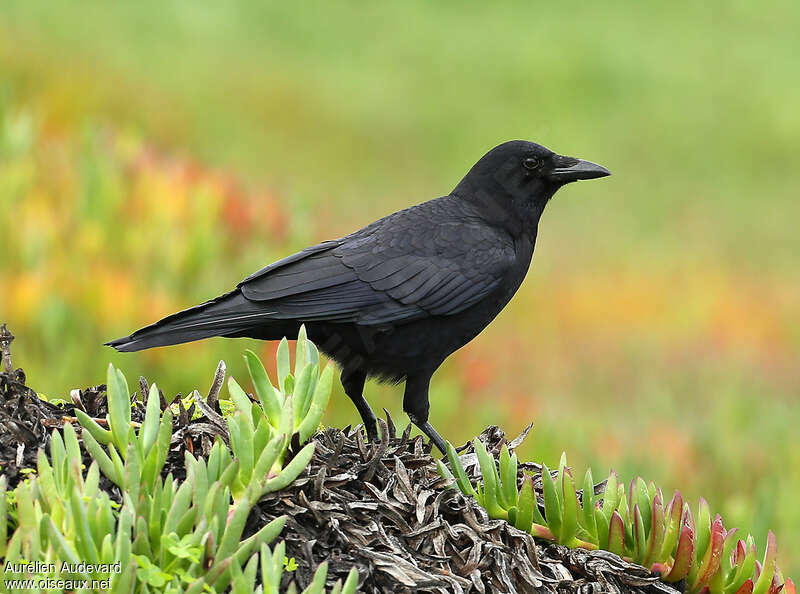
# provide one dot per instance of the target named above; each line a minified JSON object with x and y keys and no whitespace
{"x":394,"y":299}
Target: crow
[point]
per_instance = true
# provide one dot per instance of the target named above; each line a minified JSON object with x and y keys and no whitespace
{"x":393,"y":300}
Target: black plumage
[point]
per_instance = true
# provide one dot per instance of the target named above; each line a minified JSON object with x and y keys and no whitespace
{"x":394,"y":299}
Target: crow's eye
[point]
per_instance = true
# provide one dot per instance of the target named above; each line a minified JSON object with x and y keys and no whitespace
{"x":531,"y":163}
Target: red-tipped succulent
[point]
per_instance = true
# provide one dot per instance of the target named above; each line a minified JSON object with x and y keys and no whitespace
{"x":636,"y":525}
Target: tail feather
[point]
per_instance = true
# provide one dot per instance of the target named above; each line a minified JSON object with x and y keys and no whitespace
{"x":226,"y":315}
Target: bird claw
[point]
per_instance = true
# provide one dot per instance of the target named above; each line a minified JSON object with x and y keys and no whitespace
{"x":431,"y":434}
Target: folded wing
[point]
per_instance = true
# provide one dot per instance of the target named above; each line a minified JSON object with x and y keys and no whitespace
{"x":399,"y":269}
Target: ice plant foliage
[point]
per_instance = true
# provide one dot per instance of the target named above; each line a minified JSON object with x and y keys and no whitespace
{"x":260,"y":432}
{"x":636,"y":523}
{"x":168,"y":535}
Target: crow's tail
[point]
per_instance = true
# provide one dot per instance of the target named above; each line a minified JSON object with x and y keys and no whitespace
{"x":227,"y":315}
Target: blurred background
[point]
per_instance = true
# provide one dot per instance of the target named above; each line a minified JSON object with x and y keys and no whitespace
{"x":152,"y":154}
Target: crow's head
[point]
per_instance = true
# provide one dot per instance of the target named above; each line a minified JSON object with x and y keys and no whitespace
{"x":524,"y":173}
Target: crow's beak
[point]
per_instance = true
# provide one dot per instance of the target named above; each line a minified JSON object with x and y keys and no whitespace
{"x":568,"y":169}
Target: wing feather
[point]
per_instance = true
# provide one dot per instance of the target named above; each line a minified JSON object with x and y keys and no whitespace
{"x":407,"y":266}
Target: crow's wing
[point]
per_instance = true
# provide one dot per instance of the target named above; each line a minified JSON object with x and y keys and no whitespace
{"x":423,"y":261}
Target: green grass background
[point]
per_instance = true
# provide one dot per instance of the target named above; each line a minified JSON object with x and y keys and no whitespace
{"x":152,"y":154}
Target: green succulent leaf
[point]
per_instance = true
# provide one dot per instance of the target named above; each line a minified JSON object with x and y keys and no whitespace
{"x":569,"y":497}
{"x":726,"y":570}
{"x":610,"y":496}
{"x":123,"y":581}
{"x":525,"y":505}
{"x":616,"y":534}
{"x":745,"y":564}
{"x":445,"y":473}
{"x":317,"y":406}
{"x":100,"y":434}
{"x":712,"y":558}
{"x":61,"y":545}
{"x":271,"y":569}
{"x":602,"y":527}
{"x":508,"y":477}
{"x":587,"y":518}
{"x":538,"y":518}
{"x":657,"y":529}
{"x":301,"y":351}
{"x":234,"y":528}
{"x":684,"y":556}
{"x":351,"y":583}
{"x":180,"y":505}
{"x":644,"y":499}
{"x":267,"y":458}
{"x":282,"y":357}
{"x":152,"y":417}
{"x":266,"y":393}
{"x":292,"y":470}
{"x":228,"y":475}
{"x":286,"y":426}
{"x":317,"y":585}
{"x":562,"y":467}
{"x":624,"y":512}
{"x":288,"y":384}
{"x":301,"y":394}
{"x":264,"y":536}
{"x":244,"y":451}
{"x":132,"y":472}
{"x":491,"y":479}
{"x":552,"y":508}
{"x":240,"y":398}
{"x":119,"y":407}
{"x":150,"y":573}
{"x":703,"y":528}
{"x":767,"y":566}
{"x":102,"y":459}
{"x":463,"y":482}
{"x":673,"y":525}
{"x":312,"y":354}
{"x":639,"y":538}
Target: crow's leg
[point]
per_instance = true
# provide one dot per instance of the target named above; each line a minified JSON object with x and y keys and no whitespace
{"x":353,"y":383}
{"x":432,"y":434}
{"x":415,"y":403}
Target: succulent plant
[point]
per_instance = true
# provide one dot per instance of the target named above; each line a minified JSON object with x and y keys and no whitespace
{"x":636,"y":524}
{"x":260,"y":431}
{"x":166,"y":535}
